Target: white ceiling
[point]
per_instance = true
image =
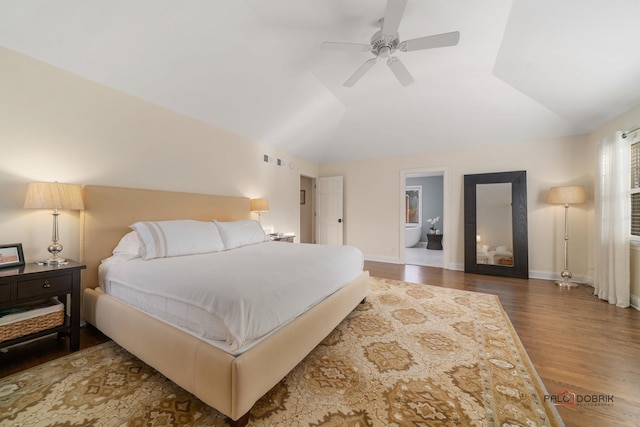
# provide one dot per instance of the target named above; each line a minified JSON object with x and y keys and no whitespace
{"x":523,"y":70}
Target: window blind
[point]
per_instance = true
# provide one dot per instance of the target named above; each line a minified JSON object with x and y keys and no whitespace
{"x":635,"y":189}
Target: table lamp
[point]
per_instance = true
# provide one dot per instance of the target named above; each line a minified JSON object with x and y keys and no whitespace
{"x":259,"y":206}
{"x":54,"y":195}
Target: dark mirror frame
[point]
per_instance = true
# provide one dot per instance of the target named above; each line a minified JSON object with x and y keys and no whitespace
{"x":518,"y":180}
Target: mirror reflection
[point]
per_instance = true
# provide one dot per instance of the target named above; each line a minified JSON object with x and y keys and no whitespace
{"x":413,"y":208}
{"x":494,"y":224}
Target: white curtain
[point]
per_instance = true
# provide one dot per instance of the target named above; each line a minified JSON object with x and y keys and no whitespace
{"x":612,"y":220}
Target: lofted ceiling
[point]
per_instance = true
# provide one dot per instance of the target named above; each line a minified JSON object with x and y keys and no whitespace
{"x":523,"y":69}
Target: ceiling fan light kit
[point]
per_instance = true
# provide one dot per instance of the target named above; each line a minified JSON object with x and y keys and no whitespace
{"x":386,"y":42}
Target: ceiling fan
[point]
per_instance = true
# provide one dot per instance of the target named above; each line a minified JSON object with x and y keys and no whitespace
{"x":386,"y":41}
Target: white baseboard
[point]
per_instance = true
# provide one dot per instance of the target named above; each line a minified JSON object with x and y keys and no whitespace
{"x":547,"y":275}
{"x":377,"y":258}
{"x":456,"y":266}
{"x":543,"y":275}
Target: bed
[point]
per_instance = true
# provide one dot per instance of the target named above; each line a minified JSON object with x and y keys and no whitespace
{"x":501,"y":255}
{"x":229,"y":379}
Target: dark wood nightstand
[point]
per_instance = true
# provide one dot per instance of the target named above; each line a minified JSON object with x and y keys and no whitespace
{"x":32,"y":282}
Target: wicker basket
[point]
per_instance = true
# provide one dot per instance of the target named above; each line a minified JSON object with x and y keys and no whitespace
{"x":32,"y":319}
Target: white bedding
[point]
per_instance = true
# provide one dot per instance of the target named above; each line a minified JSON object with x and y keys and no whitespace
{"x":237,"y":296}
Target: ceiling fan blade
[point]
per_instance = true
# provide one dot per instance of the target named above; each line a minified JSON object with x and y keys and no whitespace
{"x":430,"y":42}
{"x":401,"y":72}
{"x":392,"y":17}
{"x":352,"y":47}
{"x":360,"y":72}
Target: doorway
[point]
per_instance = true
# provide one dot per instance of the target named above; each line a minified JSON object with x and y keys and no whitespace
{"x":424,"y":238}
{"x":307,"y":197}
{"x":321,"y":210}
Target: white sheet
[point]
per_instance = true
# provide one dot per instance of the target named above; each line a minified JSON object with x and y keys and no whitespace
{"x":237,"y":296}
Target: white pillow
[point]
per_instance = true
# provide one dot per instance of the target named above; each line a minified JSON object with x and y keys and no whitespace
{"x":130,"y":244}
{"x":240,"y":233}
{"x":162,"y":239}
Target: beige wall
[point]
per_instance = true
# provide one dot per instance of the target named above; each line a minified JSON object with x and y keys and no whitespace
{"x":57,"y":126}
{"x":373,"y":203}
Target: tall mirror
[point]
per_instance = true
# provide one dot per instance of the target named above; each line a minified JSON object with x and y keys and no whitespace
{"x":495,"y":224}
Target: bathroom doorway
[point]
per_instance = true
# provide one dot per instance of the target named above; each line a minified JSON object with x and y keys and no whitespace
{"x":423,"y":213}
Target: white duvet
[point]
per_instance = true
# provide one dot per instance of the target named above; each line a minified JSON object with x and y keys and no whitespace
{"x":237,"y":296}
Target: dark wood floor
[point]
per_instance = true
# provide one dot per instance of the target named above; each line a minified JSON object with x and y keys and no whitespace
{"x":575,"y":341}
{"x":36,"y":352}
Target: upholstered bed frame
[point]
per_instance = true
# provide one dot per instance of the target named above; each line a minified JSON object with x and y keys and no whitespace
{"x":230,"y":384}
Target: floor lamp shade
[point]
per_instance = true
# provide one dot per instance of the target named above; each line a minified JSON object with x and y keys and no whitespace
{"x":54,"y":195}
{"x":571,"y":195}
{"x":567,"y":195}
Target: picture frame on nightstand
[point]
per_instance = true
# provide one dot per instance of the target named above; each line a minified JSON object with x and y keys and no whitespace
{"x":11,"y":255}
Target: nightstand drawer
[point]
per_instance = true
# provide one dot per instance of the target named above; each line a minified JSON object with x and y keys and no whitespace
{"x":5,"y":292}
{"x":48,"y":286}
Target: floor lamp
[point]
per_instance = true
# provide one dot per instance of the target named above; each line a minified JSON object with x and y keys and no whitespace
{"x":568,"y":195}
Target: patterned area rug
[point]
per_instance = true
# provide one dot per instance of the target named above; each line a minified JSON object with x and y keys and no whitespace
{"x":411,"y":355}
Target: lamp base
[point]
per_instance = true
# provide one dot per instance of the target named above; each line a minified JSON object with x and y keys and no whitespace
{"x":55,"y":247}
{"x":53,"y":261}
{"x":566,"y":284}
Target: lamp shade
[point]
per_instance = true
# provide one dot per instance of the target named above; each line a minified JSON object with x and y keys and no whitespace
{"x":259,"y":205}
{"x":54,"y":195}
{"x":568,"y":195}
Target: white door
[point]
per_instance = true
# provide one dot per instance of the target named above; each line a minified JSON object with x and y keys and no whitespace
{"x":329,"y":223}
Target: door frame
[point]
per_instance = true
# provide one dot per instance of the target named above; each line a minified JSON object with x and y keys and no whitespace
{"x":446,"y":218}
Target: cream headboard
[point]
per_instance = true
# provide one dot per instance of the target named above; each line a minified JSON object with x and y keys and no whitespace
{"x":109,"y":211}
